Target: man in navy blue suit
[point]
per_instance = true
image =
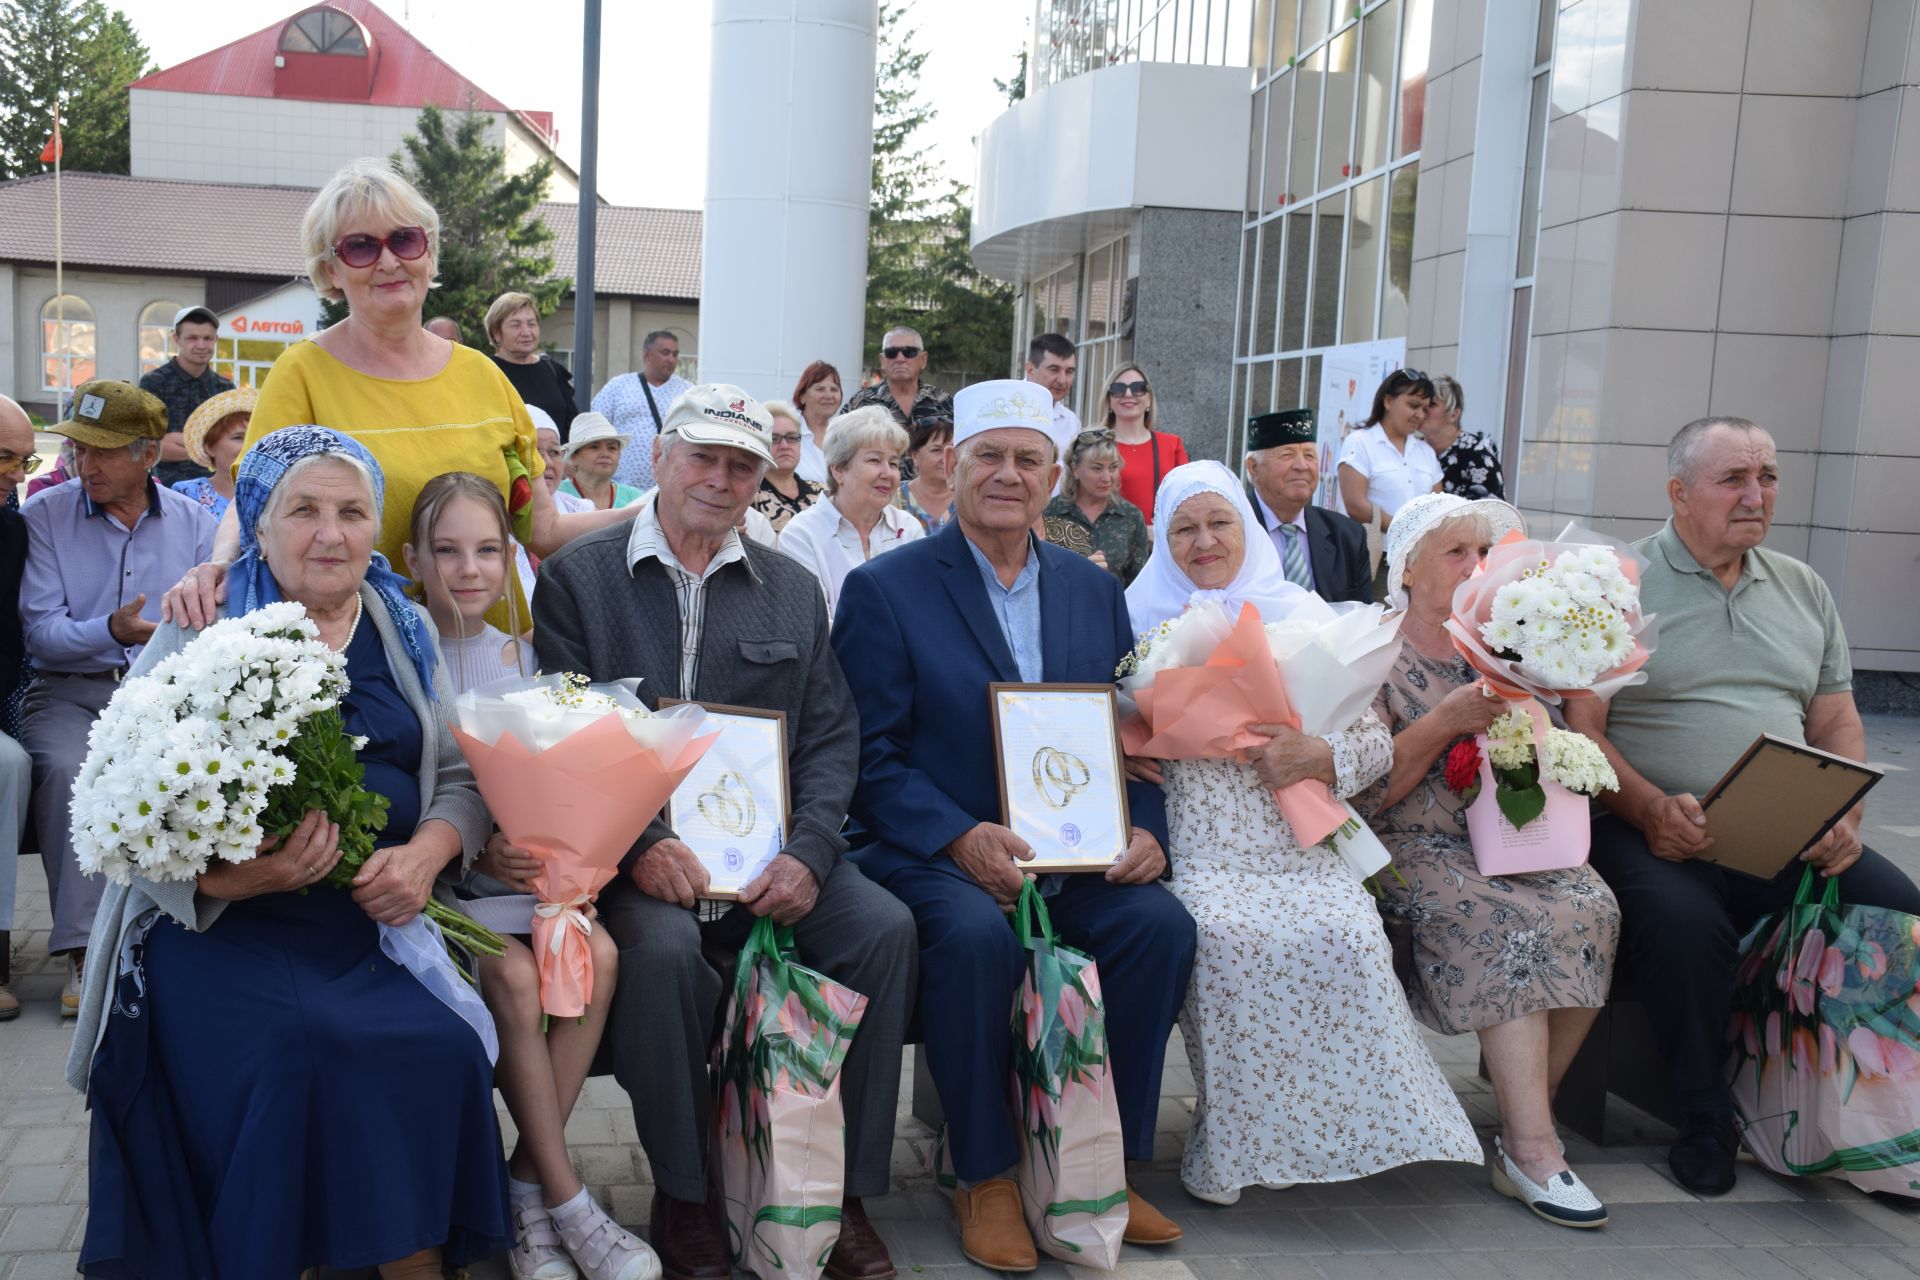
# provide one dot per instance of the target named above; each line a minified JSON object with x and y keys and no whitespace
{"x":921,"y":633}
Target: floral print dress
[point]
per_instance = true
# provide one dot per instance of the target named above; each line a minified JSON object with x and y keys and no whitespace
{"x":1486,"y":949}
{"x":1307,"y":1064}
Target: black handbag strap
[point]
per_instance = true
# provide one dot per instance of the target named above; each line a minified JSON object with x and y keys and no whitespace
{"x":658,"y":425}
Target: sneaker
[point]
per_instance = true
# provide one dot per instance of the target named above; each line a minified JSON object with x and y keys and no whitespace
{"x":76,"y":978}
{"x":603,"y":1248}
{"x":1564,"y":1201}
{"x":537,"y":1253}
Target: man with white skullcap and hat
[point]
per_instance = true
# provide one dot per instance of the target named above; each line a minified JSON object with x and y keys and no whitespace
{"x":921,"y":633}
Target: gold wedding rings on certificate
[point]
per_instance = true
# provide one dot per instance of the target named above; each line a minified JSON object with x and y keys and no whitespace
{"x":728,"y":804}
{"x":1059,"y":776}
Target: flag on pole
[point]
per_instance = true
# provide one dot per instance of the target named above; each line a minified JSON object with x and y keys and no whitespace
{"x":50,"y":154}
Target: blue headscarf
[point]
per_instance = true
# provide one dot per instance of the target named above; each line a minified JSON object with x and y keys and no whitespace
{"x":250,"y":583}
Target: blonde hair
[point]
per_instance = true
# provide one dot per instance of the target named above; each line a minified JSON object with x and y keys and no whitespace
{"x":367,"y":187}
{"x":506,"y":305}
{"x":435,"y":497}
{"x":1079,"y":451}
{"x":862,"y":428}
{"x":1106,"y":402}
{"x":781,"y":409}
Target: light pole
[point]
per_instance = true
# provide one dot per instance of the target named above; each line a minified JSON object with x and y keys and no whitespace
{"x":589,"y":202}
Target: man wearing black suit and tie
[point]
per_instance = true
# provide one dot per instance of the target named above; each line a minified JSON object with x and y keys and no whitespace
{"x":1321,"y":550}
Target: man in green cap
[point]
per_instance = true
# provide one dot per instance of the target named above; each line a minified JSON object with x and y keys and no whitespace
{"x":1321,"y":550}
{"x":101,"y":550}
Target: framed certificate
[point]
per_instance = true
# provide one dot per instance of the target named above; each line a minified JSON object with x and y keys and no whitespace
{"x":1777,"y":800}
{"x":732,"y":810}
{"x":1063,"y":784}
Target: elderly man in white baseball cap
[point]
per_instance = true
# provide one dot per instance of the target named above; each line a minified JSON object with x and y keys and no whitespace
{"x":681,"y":600}
{"x":921,"y":633}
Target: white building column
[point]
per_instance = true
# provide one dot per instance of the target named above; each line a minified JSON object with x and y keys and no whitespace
{"x":783,"y":278}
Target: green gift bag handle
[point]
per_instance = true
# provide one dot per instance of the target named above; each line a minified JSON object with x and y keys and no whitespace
{"x":1829,"y":899}
{"x":1029,"y":910}
{"x":775,"y":941}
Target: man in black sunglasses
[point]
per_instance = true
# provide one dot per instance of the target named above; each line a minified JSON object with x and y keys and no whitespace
{"x":903,"y":358}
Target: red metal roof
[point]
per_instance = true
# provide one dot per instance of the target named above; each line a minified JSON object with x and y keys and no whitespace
{"x":406,"y":73}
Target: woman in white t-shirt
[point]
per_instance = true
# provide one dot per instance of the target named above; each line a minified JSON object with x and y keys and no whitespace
{"x":1386,"y":462}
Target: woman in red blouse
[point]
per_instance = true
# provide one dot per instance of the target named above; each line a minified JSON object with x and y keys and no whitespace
{"x":1145,"y":454}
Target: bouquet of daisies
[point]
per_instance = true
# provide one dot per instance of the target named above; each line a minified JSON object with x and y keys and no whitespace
{"x":224,"y":744}
{"x":1194,"y":684}
{"x":1525,"y":785}
{"x":1554,"y":620}
{"x":573,"y":773}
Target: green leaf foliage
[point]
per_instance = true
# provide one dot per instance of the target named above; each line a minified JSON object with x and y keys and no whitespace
{"x":919,"y":269}
{"x":79,"y":55}
{"x":1521,"y":805}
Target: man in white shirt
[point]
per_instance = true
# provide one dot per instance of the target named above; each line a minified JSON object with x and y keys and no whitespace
{"x":639,"y":403}
{"x":1321,"y":550}
{"x":1052,"y":362}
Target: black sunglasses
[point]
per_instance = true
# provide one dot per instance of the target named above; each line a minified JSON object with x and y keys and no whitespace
{"x":362,"y":250}
{"x":1402,"y":377}
{"x":899,"y":353}
{"x":1118,"y":389}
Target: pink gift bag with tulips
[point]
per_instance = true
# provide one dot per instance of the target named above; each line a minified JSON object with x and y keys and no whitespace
{"x":1073,"y":1172}
{"x":778,"y":1127}
{"x":1825,"y":1059}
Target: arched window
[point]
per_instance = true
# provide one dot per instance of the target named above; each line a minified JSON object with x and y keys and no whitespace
{"x":156,"y":334}
{"x":323,"y":30}
{"x":66,"y":343}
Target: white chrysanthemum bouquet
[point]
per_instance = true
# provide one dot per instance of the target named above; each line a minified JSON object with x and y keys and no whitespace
{"x":1549,"y":621}
{"x":222,"y":745}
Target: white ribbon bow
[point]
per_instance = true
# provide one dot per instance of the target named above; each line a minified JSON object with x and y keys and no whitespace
{"x":569,"y":913}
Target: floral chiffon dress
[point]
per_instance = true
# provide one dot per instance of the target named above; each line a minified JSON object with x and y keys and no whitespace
{"x":1307,"y":1065}
{"x":1486,"y":949}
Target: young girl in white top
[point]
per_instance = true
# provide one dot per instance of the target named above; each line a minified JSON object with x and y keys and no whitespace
{"x":460,"y":555}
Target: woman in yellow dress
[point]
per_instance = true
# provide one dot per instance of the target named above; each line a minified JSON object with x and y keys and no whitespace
{"x":420,"y":404}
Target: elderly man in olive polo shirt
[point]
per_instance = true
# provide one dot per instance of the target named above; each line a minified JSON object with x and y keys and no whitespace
{"x":1750,"y":643}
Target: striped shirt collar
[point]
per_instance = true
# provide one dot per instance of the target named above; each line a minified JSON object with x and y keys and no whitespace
{"x":647,"y":542}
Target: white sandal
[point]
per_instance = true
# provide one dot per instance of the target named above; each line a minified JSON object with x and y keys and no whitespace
{"x":1565,"y":1201}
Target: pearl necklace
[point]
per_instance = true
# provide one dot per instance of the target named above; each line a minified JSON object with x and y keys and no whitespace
{"x":359,"y":611}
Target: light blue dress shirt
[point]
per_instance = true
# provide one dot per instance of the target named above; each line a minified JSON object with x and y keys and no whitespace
{"x":1017,"y":609}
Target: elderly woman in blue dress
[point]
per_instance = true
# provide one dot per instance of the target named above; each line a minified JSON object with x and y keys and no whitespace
{"x":270,"y":1092}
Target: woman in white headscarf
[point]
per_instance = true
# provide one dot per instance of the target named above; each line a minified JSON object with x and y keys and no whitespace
{"x":1307,"y":1064}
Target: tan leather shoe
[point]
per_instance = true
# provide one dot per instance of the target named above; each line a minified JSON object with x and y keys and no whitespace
{"x":76,"y":979}
{"x":1146,"y":1224}
{"x":993,"y":1232}
{"x":9,"y":1004}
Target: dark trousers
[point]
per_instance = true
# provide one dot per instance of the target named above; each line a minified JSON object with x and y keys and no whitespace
{"x":1682,"y":924}
{"x":666,"y":1010}
{"x":970,"y":969}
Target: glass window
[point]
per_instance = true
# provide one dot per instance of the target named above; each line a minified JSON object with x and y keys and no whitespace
{"x":1543,"y":32}
{"x":1414,"y":40}
{"x":1286,"y":385}
{"x":1316,"y":19}
{"x":1286,"y":17}
{"x":1530,"y":184}
{"x":1306,"y":126}
{"x":156,"y":334}
{"x":1293,"y":327}
{"x":1260,"y":389}
{"x":66,"y":343}
{"x":1329,"y":233}
{"x":1279,"y":116}
{"x":1099,"y":293}
{"x":1516,"y":382}
{"x":1336,"y":129}
{"x":323,"y":30}
{"x":1393,"y":299}
{"x":1363,"y":261}
{"x":1270,"y":260}
{"x":1377,"y":48}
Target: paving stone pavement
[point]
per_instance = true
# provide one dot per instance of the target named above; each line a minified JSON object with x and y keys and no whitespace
{"x":1429,"y":1220}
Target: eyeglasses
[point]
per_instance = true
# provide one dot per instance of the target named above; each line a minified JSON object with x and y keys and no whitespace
{"x":30,"y":462}
{"x":1119,"y":389}
{"x":363,"y":250}
{"x":900,"y":353}
{"x":786,"y":437}
{"x":1095,"y":435}
{"x":1404,"y":377}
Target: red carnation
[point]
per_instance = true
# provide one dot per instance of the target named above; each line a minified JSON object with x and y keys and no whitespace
{"x":520,"y":497}
{"x":1463,"y":767}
